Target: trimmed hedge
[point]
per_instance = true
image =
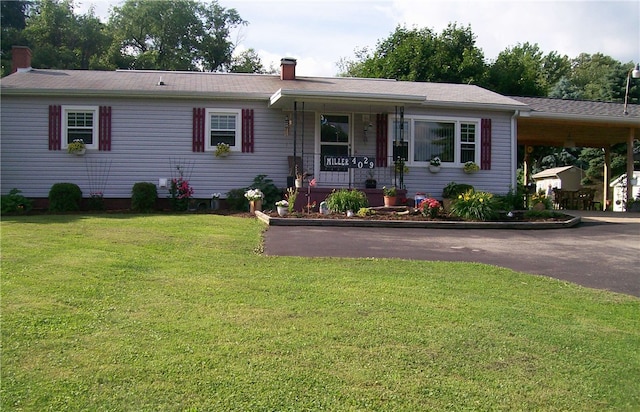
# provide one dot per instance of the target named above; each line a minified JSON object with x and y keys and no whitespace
{"x":65,"y":197}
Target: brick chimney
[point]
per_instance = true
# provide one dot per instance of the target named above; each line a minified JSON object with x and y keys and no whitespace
{"x":20,"y":58}
{"x":288,"y":69}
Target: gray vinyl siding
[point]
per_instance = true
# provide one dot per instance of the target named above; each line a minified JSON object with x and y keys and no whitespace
{"x":149,"y":136}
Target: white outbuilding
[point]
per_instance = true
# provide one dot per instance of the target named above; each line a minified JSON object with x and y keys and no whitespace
{"x":619,"y":188}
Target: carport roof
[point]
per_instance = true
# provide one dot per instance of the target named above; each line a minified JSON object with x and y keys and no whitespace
{"x":556,"y":122}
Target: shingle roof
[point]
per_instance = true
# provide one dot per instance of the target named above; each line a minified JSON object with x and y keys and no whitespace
{"x":580,"y":108}
{"x":553,"y":172}
{"x":145,"y":82}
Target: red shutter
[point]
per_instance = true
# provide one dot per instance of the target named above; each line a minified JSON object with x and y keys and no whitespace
{"x":55,"y":127}
{"x":247,"y":130}
{"x":485,"y":144}
{"x":198,"y":129}
{"x":104,"y":128}
{"x":382,"y":140}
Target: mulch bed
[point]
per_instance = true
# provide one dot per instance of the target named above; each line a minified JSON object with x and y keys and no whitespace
{"x":391,"y":214}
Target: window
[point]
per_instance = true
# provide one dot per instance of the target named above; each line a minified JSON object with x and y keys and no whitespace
{"x":223,"y":126}
{"x":453,"y":141}
{"x":80,"y":123}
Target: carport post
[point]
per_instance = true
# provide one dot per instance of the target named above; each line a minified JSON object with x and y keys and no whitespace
{"x":630,"y":164}
{"x":606,"y":173}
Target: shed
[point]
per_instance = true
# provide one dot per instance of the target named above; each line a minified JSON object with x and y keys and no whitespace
{"x":619,"y":187}
{"x":566,"y":177}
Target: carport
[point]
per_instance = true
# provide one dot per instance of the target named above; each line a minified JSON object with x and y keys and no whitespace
{"x":573,"y":123}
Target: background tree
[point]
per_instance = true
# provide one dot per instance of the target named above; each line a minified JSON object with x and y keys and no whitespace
{"x":157,"y":34}
{"x":216,"y":48}
{"x":247,"y":62}
{"x":420,"y":55}
{"x":523,"y":70}
{"x":61,"y":40}
{"x":13,"y":16}
{"x":173,"y":35}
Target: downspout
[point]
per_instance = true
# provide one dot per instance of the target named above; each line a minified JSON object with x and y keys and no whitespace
{"x":514,"y":152}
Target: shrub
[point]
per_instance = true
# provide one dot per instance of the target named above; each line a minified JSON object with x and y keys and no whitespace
{"x":540,"y":197}
{"x":531,"y":214}
{"x":474,"y":205}
{"x":236,"y":199}
{"x":64,"y":197}
{"x":14,"y":202}
{"x":453,"y":190}
{"x":513,"y":200}
{"x":143,"y":197}
{"x":342,"y":200}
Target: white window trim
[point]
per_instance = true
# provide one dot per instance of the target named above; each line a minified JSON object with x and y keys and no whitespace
{"x":457,"y":131}
{"x":207,"y":142}
{"x":94,"y":132}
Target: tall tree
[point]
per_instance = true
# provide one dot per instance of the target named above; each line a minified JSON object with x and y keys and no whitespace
{"x":157,"y":34}
{"x":420,"y":55}
{"x":13,"y":16}
{"x":61,"y":40}
{"x":247,"y":62}
{"x":216,"y":48}
{"x":523,"y":70}
{"x":173,"y":35}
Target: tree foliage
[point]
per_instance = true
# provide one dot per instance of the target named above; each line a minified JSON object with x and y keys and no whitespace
{"x":421,"y":55}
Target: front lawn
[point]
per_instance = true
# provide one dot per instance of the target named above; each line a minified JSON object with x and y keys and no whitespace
{"x":182,"y":312}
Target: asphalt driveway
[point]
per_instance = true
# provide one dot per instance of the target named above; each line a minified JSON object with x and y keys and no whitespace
{"x":601,"y":252}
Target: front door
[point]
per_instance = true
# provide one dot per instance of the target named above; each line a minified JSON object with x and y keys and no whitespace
{"x":333,"y":141}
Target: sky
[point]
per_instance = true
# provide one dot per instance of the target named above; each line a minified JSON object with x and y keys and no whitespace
{"x":321,"y":33}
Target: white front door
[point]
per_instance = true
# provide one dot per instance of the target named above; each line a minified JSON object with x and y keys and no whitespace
{"x":333,"y":141}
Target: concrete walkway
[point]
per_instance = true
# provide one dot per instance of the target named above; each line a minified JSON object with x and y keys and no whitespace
{"x":601,"y":252}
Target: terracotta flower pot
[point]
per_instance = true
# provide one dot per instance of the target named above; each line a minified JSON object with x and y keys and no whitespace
{"x":390,"y":201}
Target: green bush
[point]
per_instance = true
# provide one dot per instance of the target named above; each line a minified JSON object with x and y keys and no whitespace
{"x":453,"y":190}
{"x":64,"y":197}
{"x":340,"y":201}
{"x":474,"y":205}
{"x":236,"y":199}
{"x":513,"y":200}
{"x":143,"y":197}
{"x":14,"y":202}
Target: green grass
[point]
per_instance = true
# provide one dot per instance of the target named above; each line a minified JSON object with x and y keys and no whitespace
{"x":182,"y":313}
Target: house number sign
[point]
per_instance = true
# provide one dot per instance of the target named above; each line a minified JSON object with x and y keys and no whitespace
{"x":348,"y":162}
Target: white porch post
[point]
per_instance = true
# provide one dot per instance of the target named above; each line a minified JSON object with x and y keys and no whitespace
{"x":630,"y":164}
{"x":606,"y":176}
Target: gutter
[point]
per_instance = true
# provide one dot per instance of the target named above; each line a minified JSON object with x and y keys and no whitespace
{"x":282,"y":94}
{"x":137,"y":94}
{"x":585,"y":118}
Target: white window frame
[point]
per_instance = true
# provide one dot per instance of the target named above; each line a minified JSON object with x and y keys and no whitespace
{"x":238,"y":136}
{"x":65,"y":124}
{"x":457,"y":122}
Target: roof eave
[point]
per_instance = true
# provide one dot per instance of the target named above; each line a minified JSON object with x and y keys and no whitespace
{"x":136,"y":94}
{"x":281,"y":97}
{"x":628,"y":120}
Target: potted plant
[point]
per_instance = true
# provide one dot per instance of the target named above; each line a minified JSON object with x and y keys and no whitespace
{"x":283,"y":207}
{"x":254,"y":196}
{"x":222,"y":150}
{"x":470,"y":167}
{"x":390,"y":194}
{"x":77,"y":147}
{"x":370,"y":183}
{"x":434,"y":165}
